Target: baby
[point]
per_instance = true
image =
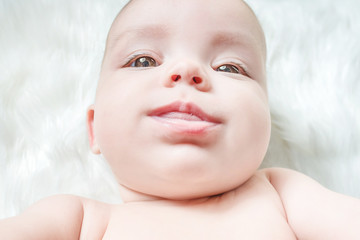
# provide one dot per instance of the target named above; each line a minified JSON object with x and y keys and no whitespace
{"x":182,"y":117}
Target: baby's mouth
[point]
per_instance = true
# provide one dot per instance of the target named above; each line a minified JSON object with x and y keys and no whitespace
{"x":184,"y":118}
{"x":184,"y":111}
{"x":181,"y":116}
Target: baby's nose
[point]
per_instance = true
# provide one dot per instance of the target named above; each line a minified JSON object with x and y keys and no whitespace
{"x":187,"y":72}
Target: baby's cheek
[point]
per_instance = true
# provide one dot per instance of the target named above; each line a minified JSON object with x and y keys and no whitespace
{"x":107,"y":124}
{"x":249,"y":124}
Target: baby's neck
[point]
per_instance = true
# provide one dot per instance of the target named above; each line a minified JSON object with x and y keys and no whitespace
{"x":132,"y":197}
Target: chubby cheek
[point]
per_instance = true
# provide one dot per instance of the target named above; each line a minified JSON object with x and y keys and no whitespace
{"x":115,"y":121}
{"x":120,"y":125}
{"x":107,"y":132}
{"x":248,"y":134}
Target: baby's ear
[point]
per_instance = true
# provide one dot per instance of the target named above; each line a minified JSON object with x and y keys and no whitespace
{"x":90,"y":127}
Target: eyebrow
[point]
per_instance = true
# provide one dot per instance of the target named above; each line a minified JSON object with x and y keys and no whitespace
{"x":219,"y":39}
{"x":158,"y":31}
{"x":224,"y":38}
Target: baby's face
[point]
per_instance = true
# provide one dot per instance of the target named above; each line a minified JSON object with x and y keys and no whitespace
{"x":181,"y":108}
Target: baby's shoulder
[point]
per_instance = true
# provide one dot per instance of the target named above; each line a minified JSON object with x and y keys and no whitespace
{"x":86,"y":218}
{"x":59,"y":215}
{"x":307,"y":203}
{"x":96,"y":218}
{"x":293,"y":187}
{"x":82,"y":217}
{"x":289,"y":183}
{"x":61,"y":207}
{"x":283,"y":179}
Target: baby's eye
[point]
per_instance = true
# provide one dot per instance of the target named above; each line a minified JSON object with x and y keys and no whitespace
{"x":144,"y":61}
{"x":228,"y":68}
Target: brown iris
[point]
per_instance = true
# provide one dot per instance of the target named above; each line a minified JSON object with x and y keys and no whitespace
{"x":228,"y":68}
{"x":144,"y":62}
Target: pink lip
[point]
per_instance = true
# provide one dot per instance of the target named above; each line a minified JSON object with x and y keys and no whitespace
{"x":184,"y":117}
{"x":182,"y":107}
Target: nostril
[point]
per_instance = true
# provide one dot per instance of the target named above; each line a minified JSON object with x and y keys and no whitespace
{"x":197,"y":79}
{"x":175,"y":77}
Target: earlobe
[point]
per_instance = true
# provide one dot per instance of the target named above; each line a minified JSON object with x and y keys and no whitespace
{"x":90,"y":128}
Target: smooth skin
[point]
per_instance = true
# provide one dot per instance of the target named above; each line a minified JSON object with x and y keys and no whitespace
{"x":183,"y":176}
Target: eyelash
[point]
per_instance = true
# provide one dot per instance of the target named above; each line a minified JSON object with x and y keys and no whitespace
{"x":239,"y":67}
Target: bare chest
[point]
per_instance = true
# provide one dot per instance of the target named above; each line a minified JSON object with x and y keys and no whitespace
{"x":252,"y":211}
{"x":252,"y":219}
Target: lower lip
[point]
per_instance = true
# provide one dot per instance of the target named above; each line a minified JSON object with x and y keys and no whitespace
{"x":182,"y":126}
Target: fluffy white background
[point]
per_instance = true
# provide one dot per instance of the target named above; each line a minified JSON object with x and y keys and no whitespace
{"x":50,"y":54}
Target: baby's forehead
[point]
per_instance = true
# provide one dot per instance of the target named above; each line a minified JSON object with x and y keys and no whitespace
{"x":134,"y":10}
{"x":131,"y":9}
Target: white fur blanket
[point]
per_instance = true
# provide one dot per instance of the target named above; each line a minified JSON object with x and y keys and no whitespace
{"x":50,"y":54}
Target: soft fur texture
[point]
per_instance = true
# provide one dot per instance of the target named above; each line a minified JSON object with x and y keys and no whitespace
{"x":51,"y":53}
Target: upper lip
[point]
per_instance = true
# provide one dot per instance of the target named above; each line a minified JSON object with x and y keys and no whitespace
{"x":184,"y":107}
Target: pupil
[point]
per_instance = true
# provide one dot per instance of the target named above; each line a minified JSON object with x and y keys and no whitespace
{"x":144,"y":62}
{"x":225,"y":68}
